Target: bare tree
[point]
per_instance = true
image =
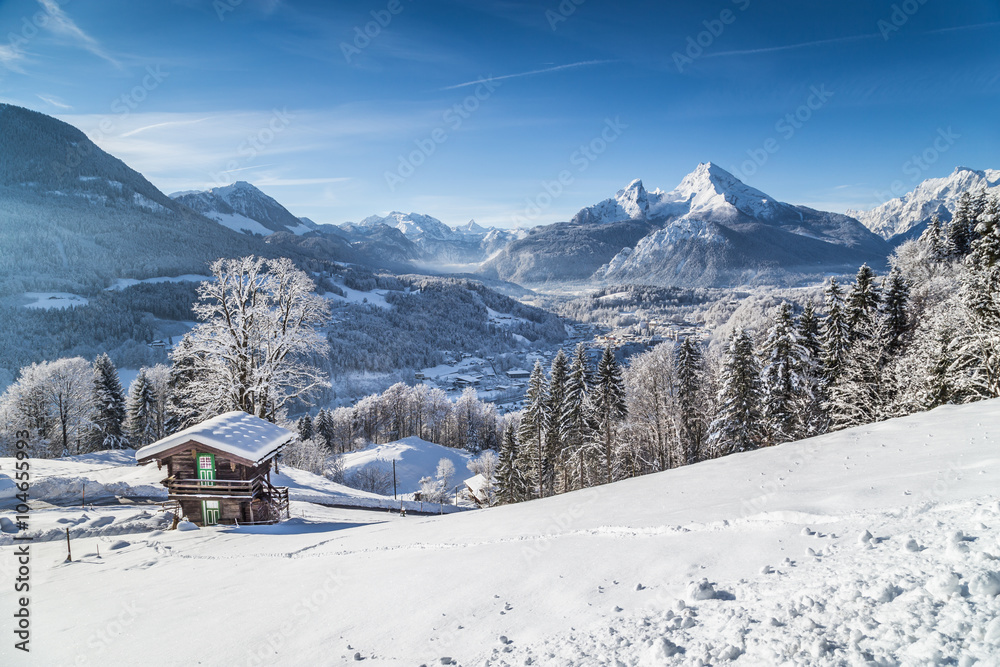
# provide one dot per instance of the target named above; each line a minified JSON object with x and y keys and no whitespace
{"x":259,"y":332}
{"x":55,"y":400}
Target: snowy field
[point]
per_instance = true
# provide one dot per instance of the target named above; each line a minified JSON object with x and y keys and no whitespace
{"x":876,"y":545}
{"x":49,"y":300}
{"x":415,"y":458}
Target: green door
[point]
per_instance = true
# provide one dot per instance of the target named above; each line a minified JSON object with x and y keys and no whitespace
{"x":206,"y":469}
{"x":210,"y":512}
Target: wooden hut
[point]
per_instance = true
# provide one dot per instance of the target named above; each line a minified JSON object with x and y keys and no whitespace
{"x":219,"y":471}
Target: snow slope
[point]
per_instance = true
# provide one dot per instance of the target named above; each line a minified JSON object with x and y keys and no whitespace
{"x":415,"y":458}
{"x":874,"y":545}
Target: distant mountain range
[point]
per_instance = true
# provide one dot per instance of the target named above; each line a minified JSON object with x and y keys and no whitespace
{"x":909,"y":214}
{"x":711,"y":230}
{"x":75,"y":218}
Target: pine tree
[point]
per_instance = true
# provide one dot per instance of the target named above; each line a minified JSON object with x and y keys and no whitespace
{"x":323,"y":429}
{"x":814,"y":416}
{"x":738,"y":426}
{"x":554,"y":446}
{"x":785,"y":391}
{"x":609,"y":405}
{"x":935,"y":239}
{"x":863,"y":393}
{"x":961,"y":229}
{"x":895,"y":310}
{"x":576,"y":417}
{"x":141,"y":410}
{"x":692,"y":399}
{"x":183,"y":410}
{"x":862,"y":301}
{"x":977,"y":349}
{"x":109,"y":405}
{"x":512,"y":487}
{"x":305,"y":428}
{"x":835,"y":335}
{"x":532,"y":430}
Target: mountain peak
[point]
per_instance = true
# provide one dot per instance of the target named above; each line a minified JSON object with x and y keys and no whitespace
{"x":711,"y":190}
{"x":413,"y":225}
{"x":472,"y":227}
{"x":242,"y":206}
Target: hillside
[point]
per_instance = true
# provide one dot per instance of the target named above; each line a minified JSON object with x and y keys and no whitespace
{"x":874,"y":545}
{"x":75,"y":218}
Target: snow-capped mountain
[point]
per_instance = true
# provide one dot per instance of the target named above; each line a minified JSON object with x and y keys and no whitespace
{"x":709,"y":191}
{"x":934,"y":196}
{"x":244,"y":208}
{"x":471,"y":227}
{"x":439,"y":243}
{"x":414,"y":226}
{"x":711,"y":230}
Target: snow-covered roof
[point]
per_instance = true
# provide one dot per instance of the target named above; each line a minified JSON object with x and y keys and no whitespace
{"x":236,"y":433}
{"x":477,"y":486}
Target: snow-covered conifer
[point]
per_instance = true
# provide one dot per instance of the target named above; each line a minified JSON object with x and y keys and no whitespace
{"x":109,"y":405}
{"x":609,"y":408}
{"x":141,"y":409}
{"x":862,"y":300}
{"x":532,"y":430}
{"x":692,"y":399}
{"x":786,"y":391}
{"x":835,"y":334}
{"x":554,"y":462}
{"x":738,"y":425}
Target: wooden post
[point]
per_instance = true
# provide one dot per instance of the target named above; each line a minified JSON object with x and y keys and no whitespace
{"x":394,"y":478}
{"x":69,"y":551}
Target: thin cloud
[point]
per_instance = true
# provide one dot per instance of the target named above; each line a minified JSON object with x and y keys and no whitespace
{"x":166,"y":124}
{"x":838,"y":40}
{"x":278,"y":182}
{"x":585,"y":63}
{"x":54,"y":101}
{"x":10,"y":56}
{"x":62,"y":24}
{"x":789,"y":47}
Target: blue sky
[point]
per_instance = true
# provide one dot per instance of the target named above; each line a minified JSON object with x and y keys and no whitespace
{"x":337,"y":125}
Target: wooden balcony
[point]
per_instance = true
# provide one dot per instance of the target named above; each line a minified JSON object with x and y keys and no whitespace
{"x":217,"y":488}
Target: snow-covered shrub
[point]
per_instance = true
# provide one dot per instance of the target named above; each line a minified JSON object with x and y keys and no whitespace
{"x":376,"y":477}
